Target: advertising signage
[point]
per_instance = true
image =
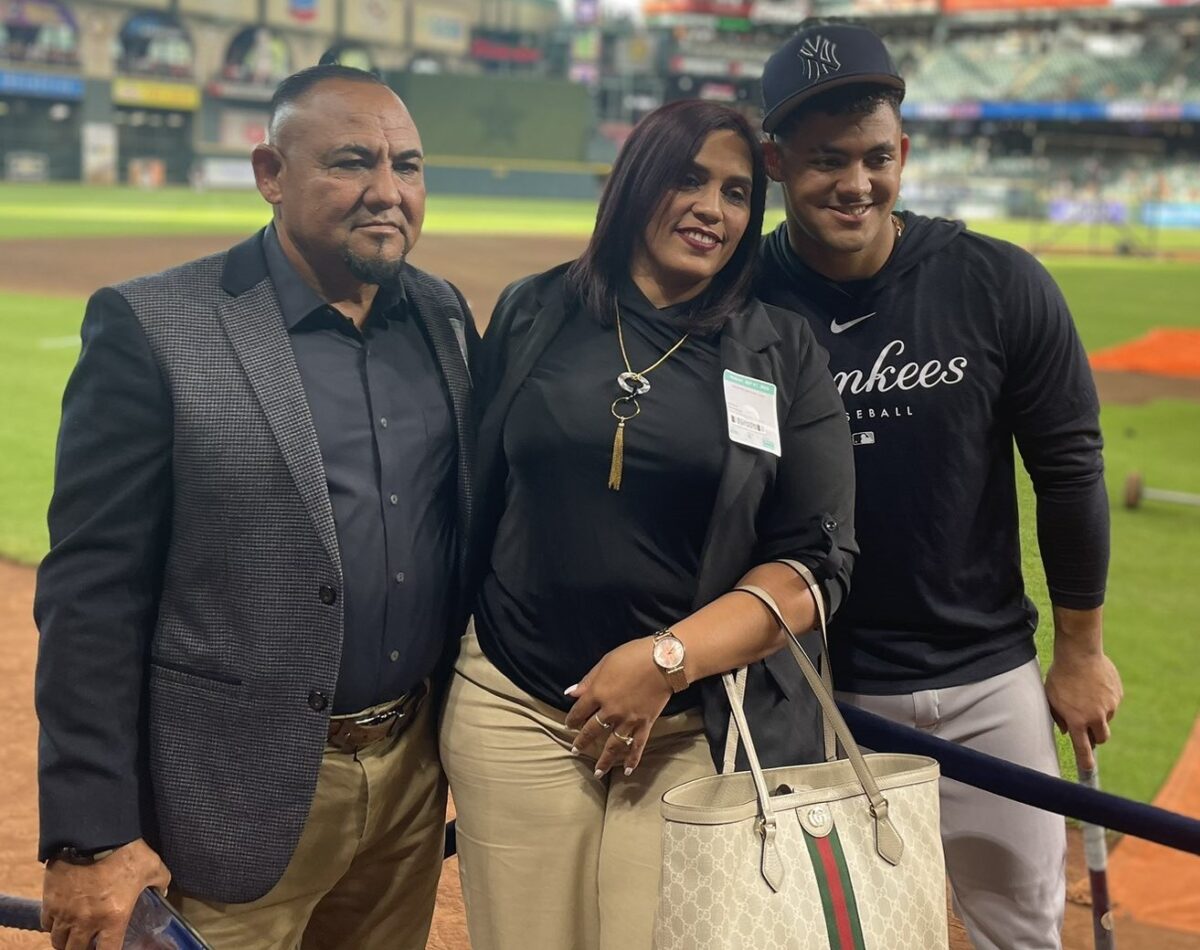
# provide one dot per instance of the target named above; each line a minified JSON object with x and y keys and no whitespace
{"x":973,"y":6}
{"x":738,"y":9}
{"x":40,"y":85}
{"x":857,"y":8}
{"x":1058,"y":111}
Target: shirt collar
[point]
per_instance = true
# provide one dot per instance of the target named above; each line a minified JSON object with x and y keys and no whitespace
{"x":297,"y":299}
{"x":632,"y":300}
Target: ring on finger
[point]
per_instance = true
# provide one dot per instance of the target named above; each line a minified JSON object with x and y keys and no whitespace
{"x":601,"y":723}
{"x":628,"y":740}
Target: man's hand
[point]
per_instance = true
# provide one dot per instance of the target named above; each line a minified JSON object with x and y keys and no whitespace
{"x":94,"y":901}
{"x":1083,"y":686}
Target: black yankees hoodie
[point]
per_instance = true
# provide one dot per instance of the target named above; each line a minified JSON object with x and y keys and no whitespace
{"x":958,"y":345}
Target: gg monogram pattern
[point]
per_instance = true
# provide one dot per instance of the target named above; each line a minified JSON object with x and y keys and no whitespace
{"x":714,"y":897}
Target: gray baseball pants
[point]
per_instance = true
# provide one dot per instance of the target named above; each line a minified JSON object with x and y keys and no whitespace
{"x":1006,"y":862}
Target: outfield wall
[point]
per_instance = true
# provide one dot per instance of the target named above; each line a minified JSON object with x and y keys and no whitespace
{"x":495,"y":117}
{"x":519,"y":180}
{"x":499,"y":136}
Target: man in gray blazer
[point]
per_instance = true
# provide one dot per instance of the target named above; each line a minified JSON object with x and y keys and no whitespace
{"x":261,"y":495}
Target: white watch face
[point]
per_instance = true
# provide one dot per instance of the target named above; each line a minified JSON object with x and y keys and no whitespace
{"x":668,"y":653}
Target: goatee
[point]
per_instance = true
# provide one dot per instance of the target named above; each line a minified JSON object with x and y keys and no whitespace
{"x":385,"y":272}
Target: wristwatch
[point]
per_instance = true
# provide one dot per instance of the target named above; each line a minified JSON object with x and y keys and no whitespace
{"x":669,"y":652}
{"x":81,"y":856}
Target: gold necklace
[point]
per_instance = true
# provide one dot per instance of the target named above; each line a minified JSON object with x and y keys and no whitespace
{"x":634,"y":384}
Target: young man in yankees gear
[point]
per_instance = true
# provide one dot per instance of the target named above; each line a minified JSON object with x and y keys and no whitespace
{"x":946,"y":346}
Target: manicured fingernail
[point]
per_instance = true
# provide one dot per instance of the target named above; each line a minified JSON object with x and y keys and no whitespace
{"x":628,"y":772}
{"x":599,"y":774}
{"x":574,"y":751}
{"x":570,"y":689}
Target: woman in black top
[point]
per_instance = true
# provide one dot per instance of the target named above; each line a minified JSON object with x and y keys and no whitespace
{"x":651,"y":437}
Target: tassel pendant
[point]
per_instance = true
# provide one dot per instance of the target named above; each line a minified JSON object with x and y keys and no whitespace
{"x":617,"y":468}
{"x":623,"y":409}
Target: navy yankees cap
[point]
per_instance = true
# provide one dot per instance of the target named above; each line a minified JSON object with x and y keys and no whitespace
{"x":821,"y":58}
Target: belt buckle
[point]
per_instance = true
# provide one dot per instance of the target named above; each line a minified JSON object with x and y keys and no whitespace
{"x":381,"y":717}
{"x":397,"y":717}
{"x":407,"y":706}
{"x":378,"y":718}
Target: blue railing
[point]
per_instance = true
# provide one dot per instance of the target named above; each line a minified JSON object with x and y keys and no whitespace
{"x":957,"y":762}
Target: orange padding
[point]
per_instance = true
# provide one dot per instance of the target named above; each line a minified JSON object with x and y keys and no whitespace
{"x":1160,"y":352}
{"x":1154,"y":884}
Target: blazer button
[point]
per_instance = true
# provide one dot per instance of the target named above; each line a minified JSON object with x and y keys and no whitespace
{"x":830,"y":524}
{"x":328,"y":595}
{"x":317,"y":701}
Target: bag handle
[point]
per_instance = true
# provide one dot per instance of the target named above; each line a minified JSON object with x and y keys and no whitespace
{"x":729,"y":762}
{"x":771,"y":865}
{"x":814,"y":589}
{"x":888,"y":843}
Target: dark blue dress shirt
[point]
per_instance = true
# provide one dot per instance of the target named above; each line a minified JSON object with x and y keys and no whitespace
{"x":385,"y":428}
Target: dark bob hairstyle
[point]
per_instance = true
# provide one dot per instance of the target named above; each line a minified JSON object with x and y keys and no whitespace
{"x":653,"y":162}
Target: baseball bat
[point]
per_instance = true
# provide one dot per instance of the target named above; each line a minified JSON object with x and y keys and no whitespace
{"x":1095,"y":850}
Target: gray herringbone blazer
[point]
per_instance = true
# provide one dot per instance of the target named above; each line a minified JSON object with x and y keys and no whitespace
{"x":203,"y":689}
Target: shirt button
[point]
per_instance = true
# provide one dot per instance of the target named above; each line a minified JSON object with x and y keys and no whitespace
{"x":327,"y":594}
{"x":394,"y":499}
{"x":317,"y":701}
{"x":400,"y":577}
{"x":394,"y":655}
{"x":383,"y":422}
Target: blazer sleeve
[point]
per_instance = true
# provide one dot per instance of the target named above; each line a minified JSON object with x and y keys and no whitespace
{"x":98,"y":588}
{"x":809,"y":514}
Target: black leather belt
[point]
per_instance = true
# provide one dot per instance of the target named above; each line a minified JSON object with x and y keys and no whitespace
{"x":356,"y":731}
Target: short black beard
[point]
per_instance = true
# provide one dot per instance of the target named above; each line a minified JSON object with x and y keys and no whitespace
{"x":374,"y":270}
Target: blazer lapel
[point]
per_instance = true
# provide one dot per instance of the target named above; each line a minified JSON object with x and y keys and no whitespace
{"x":254,"y":324}
{"x":449,"y":355}
{"x":546,"y":324}
{"x":747,"y":347}
{"x":547,"y":321}
{"x":448,"y":352}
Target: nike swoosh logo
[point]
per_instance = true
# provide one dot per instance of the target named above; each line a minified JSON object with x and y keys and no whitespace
{"x":839,"y":327}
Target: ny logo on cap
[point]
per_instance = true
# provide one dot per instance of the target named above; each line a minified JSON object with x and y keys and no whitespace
{"x":819,"y":56}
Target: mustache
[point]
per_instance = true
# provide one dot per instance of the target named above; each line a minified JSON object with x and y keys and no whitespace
{"x":400,"y":225}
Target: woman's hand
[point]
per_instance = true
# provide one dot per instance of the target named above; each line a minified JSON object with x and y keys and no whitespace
{"x":622,"y":696}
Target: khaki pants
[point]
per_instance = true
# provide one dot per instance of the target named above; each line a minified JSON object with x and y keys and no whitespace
{"x":366,"y":869}
{"x":550,"y":858}
{"x":1006,"y":861}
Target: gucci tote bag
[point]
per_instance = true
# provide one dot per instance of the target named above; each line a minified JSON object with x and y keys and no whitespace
{"x":840,"y":855}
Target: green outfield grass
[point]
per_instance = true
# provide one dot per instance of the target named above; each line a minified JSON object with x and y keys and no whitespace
{"x":1046,"y":238}
{"x":39,"y":341}
{"x":1153,"y":602}
{"x":66,"y":210}
{"x":58,"y":211}
{"x":1120,"y":299}
{"x":1153,"y":608}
